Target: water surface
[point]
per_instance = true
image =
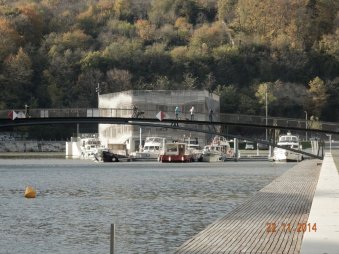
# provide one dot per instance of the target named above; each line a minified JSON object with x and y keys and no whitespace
{"x":156,"y":207}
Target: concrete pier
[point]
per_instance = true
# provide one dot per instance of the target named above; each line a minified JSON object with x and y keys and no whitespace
{"x":273,"y":221}
{"x":324,"y":212}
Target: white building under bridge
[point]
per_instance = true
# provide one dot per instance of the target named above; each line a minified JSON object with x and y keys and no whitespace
{"x":150,"y":102}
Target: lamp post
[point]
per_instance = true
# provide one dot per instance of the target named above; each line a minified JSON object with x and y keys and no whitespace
{"x":266,"y":109}
{"x":306,"y":125}
{"x":97,"y":89}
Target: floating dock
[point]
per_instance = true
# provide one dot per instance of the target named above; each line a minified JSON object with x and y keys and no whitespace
{"x":274,"y":220}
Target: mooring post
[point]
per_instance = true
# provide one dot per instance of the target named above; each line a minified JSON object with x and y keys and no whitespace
{"x":112,"y":239}
{"x":236,"y":149}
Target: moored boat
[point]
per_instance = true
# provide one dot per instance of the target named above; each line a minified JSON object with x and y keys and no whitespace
{"x":288,"y":141}
{"x":218,"y":150}
{"x":175,"y":152}
{"x":194,"y":148}
{"x":150,"y":151}
{"x":89,"y":147}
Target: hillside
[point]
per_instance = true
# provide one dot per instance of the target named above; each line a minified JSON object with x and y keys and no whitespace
{"x":54,"y":53}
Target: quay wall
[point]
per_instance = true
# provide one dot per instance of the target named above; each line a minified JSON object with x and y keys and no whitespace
{"x":32,"y":146}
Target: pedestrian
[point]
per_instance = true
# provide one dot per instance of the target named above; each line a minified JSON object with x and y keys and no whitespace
{"x":135,"y":111}
{"x":192,"y":113}
{"x":27,"y":115}
{"x":176,"y":111}
{"x":210,"y":115}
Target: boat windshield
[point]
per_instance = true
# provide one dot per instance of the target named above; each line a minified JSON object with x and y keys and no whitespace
{"x":153,"y":140}
{"x":290,"y":146}
{"x":288,"y":139}
{"x":172,"y":148}
{"x":148,"y":148}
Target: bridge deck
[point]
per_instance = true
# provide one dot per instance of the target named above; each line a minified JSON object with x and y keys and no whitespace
{"x":287,"y":200}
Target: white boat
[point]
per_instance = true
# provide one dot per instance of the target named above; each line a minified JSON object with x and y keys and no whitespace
{"x":192,"y":145}
{"x":288,"y":141}
{"x":218,"y":150}
{"x":89,"y":147}
{"x":150,"y":151}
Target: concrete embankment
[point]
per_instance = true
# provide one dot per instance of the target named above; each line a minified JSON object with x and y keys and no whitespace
{"x":32,"y":146}
{"x":324,"y":212}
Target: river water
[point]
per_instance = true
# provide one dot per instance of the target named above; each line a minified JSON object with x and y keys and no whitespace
{"x":155,"y":207}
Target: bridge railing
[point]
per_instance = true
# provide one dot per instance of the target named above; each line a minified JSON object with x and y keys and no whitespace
{"x":222,"y":117}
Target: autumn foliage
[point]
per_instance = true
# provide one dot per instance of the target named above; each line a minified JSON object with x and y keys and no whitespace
{"x":54,"y":53}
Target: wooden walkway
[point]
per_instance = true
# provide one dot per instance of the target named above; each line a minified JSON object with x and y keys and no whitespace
{"x":267,"y":223}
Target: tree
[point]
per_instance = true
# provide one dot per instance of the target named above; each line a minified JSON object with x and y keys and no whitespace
{"x":212,"y":36}
{"x":123,"y":9}
{"x":162,"y":83}
{"x":330,"y":44}
{"x":317,"y":96}
{"x":30,"y":22}
{"x":18,"y":74}
{"x":265,"y":90}
{"x":118,"y":80}
{"x":19,"y":67}
{"x":162,"y":12}
{"x":226,"y":10}
{"x":85,"y":93}
{"x":87,"y":21}
{"x":189,"y":82}
{"x":9,"y":39}
{"x":145,"y":29}
{"x":184,"y":28}
{"x":229,"y":98}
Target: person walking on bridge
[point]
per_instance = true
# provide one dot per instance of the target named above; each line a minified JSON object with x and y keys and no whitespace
{"x":192,"y":113}
{"x":210,"y":115}
{"x":176,"y":111}
{"x":135,"y":111}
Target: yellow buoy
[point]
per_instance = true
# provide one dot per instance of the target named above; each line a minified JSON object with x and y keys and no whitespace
{"x":30,"y":192}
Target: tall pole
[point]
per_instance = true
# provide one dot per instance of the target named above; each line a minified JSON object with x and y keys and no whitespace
{"x":112,"y":246}
{"x":330,"y":140}
{"x":266,"y":109}
{"x":98,"y":92}
{"x":306,"y":125}
{"x":97,"y":89}
{"x":140,"y":141}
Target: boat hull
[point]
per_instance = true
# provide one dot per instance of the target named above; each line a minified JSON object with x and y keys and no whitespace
{"x":286,"y":156}
{"x":144,"y":156}
{"x":176,"y":158}
{"x":212,"y":158}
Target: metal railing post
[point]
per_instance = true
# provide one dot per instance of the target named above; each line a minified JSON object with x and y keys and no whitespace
{"x":112,"y":239}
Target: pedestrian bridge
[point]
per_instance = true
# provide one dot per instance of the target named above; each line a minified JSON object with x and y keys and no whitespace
{"x":201,"y":123}
{"x":123,"y":116}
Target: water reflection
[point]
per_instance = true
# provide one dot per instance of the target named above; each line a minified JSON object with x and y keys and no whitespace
{"x":155,"y":206}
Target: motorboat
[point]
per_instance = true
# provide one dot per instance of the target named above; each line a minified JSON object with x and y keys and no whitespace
{"x":151,"y":149}
{"x":175,"y":152}
{"x":218,"y":150}
{"x":194,"y":148}
{"x":288,"y":141}
{"x":89,"y":147}
{"x":105,"y":155}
